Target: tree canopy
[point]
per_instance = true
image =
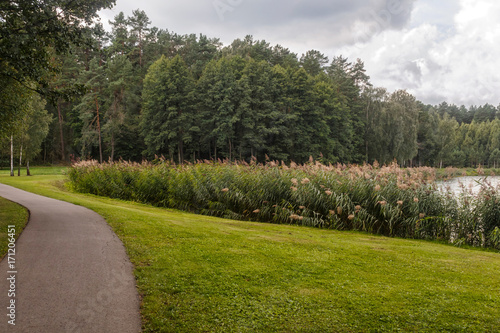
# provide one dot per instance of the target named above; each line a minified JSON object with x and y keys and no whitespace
{"x":152,"y":92}
{"x":32,"y":32}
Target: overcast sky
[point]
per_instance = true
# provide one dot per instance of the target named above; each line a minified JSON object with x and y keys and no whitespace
{"x":446,"y":50}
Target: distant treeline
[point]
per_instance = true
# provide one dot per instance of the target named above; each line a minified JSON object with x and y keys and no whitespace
{"x":151,"y":92}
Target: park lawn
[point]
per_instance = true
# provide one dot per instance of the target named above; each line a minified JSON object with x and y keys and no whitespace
{"x":202,"y":274}
{"x":37,"y":171}
{"x":11,"y":214}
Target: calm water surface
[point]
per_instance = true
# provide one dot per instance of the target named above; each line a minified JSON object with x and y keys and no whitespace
{"x":471,"y":183}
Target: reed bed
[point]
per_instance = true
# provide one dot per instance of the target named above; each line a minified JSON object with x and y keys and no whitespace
{"x":385,"y":200}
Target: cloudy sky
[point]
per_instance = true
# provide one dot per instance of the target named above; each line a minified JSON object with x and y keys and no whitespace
{"x":446,"y":50}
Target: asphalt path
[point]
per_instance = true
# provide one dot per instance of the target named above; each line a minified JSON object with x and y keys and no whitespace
{"x":71,"y":272}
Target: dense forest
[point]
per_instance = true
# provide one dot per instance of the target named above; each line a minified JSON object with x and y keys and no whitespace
{"x":150,"y":92}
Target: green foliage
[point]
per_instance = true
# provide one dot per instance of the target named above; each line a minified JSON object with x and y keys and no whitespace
{"x":168,"y":120}
{"x":388,"y":200}
{"x":32,"y":32}
{"x":393,"y":126}
{"x":313,"y":62}
{"x":204,"y":274}
{"x":13,"y":106}
{"x":249,"y":99}
{"x":35,"y":127}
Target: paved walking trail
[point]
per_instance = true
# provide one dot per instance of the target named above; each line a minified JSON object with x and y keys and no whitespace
{"x":73,"y":274}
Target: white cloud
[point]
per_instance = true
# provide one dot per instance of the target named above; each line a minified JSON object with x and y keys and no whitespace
{"x":436,"y":64}
{"x":297,"y":24}
{"x":443,"y":50}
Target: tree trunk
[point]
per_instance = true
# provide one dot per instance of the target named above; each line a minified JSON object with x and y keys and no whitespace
{"x":12,"y":155}
{"x":112,"y":147}
{"x":367,"y":117}
{"x":181,"y":143}
{"x":98,"y":129}
{"x":140,"y":54}
{"x":20,"y":160}
{"x":181,"y":152}
{"x":63,"y":157}
{"x":28,"y":168}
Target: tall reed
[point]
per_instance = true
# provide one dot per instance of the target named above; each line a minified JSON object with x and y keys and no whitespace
{"x":385,"y":200}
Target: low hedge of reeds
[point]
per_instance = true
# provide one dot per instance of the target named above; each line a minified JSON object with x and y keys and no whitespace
{"x":385,"y":200}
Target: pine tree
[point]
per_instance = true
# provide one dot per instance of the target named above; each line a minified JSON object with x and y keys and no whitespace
{"x":139,"y":28}
{"x":120,"y":36}
{"x":119,"y":75}
{"x":90,"y":109}
{"x":351,"y":80}
{"x":168,"y":121}
{"x":218,"y":102}
{"x":313,"y":62}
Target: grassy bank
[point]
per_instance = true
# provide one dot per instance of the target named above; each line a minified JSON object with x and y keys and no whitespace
{"x":10,"y":214}
{"x":206,"y":274}
{"x":450,"y":172}
{"x":37,"y":171}
{"x":386,"y":200}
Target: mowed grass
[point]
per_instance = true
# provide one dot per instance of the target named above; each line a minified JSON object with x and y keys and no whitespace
{"x":11,"y":214}
{"x":203,"y":274}
{"x":37,"y":171}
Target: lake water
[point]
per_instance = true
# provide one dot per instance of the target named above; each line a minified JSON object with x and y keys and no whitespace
{"x":471,"y":183}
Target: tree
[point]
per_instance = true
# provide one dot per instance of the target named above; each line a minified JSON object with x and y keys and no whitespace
{"x":168,"y":115}
{"x":351,"y":80}
{"x":334,"y":132}
{"x":32,"y":32}
{"x":428,"y":121}
{"x":445,"y":135}
{"x":403,"y":112}
{"x":89,"y":109}
{"x":280,"y":137}
{"x":308,"y":128}
{"x":313,"y":62}
{"x":29,"y":131}
{"x":393,"y":127}
{"x":69,"y":76}
{"x":119,"y":75}
{"x":120,"y":42}
{"x":255,"y":110}
{"x":218,"y":103}
{"x":37,"y":128}
{"x":374,"y":100}
{"x":198,"y":51}
{"x":495,"y":157}
{"x":283,"y":57}
{"x":13,"y":96}
{"x":484,"y":113}
{"x":12,"y":113}
{"x":139,"y":27}
{"x":494,"y":142}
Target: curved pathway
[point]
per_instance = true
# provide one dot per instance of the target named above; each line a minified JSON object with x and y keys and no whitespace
{"x":72,"y":273}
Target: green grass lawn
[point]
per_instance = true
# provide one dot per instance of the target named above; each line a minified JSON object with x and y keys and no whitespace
{"x":10,"y":214}
{"x":37,"y":171}
{"x":202,"y":274}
